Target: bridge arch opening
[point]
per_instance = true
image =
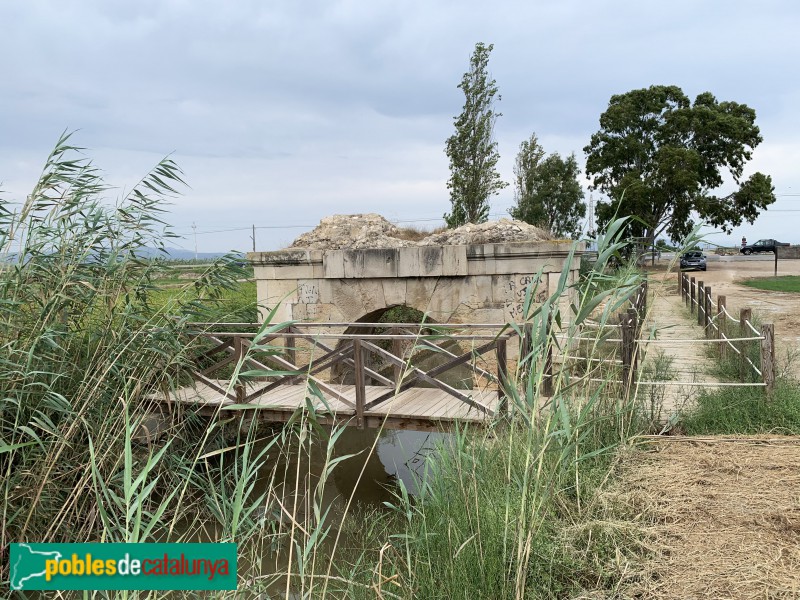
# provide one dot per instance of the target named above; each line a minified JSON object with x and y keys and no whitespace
{"x":416,"y":352}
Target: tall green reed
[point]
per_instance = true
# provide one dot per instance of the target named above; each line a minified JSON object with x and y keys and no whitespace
{"x":504,"y":512}
{"x":82,"y":348}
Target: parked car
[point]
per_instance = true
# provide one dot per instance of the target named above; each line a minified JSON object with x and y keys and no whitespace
{"x":693,"y":260}
{"x":761,"y":246}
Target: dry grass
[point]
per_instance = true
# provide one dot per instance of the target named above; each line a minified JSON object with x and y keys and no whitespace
{"x":726,"y":514}
{"x":415,"y":234}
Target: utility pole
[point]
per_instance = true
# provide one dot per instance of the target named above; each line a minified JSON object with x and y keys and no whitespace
{"x":194,"y":228}
{"x":253,"y":237}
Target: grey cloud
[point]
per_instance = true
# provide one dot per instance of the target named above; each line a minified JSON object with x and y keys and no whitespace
{"x":297,"y":109}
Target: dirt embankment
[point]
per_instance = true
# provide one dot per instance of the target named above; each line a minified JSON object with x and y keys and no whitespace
{"x":725,"y":517}
{"x":373,"y":231}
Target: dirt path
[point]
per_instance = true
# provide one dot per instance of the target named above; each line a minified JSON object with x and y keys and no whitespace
{"x":725,"y":517}
{"x":672,"y":355}
{"x":780,"y":308}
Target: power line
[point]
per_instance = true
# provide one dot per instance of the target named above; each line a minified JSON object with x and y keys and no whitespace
{"x":250,"y":227}
{"x":398,"y":221}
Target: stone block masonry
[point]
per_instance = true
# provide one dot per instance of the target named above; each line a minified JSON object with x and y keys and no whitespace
{"x":479,"y":283}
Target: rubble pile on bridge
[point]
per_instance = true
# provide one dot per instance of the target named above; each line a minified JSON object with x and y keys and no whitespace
{"x":339,"y":232}
{"x":373,"y":231}
{"x":491,"y":232}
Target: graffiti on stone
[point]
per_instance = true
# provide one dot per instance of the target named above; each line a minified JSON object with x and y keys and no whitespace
{"x":308,"y":293}
{"x":516,"y":288}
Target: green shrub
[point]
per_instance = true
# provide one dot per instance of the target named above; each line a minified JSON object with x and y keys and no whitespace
{"x":746,"y":411}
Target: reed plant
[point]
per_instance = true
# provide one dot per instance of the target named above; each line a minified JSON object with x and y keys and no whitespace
{"x":516,"y":510}
{"x":82,"y":349}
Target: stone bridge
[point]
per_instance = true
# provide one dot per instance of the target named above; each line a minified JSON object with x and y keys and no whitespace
{"x":480,"y":283}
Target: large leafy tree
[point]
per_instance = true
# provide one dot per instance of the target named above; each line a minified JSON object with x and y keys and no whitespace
{"x":661,"y":158}
{"x":471,"y":149}
{"x":546,"y":190}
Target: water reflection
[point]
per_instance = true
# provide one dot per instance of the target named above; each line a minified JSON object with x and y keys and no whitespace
{"x":403,"y":455}
{"x":294,"y":485}
{"x":375,"y":461}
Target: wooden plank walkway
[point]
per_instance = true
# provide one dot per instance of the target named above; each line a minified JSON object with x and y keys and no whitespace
{"x":414,"y":408}
{"x":292,"y":361}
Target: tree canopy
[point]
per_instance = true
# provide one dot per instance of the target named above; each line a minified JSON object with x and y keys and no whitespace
{"x":661,"y":158}
{"x":471,"y":149}
{"x":547,"y":191}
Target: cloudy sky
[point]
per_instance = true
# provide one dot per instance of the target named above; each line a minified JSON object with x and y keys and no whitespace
{"x":281,"y":113}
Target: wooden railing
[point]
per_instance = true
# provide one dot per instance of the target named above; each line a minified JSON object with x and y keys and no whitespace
{"x":733,"y":334}
{"x":303,"y":352}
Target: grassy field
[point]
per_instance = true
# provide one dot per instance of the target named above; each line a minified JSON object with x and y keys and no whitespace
{"x":177,"y":274}
{"x":234,"y":304}
{"x":786,"y":283}
{"x":746,"y":411}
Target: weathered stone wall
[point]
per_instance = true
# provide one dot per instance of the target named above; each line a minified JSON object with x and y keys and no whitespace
{"x":482,"y":283}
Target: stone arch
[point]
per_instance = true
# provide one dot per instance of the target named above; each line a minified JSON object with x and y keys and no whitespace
{"x":459,"y":377}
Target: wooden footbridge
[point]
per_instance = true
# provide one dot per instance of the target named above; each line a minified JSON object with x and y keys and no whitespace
{"x":374,"y":374}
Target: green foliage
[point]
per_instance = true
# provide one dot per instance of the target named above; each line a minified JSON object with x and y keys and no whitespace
{"x":235,"y":305}
{"x":786,"y":283}
{"x":471,"y":149}
{"x":668,"y":156}
{"x":495,"y":520}
{"x":746,"y":411}
{"x":546,"y":190}
{"x":664,"y":246}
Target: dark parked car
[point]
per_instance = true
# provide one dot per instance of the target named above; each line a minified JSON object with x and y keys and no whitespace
{"x":693,"y":260}
{"x":761,"y":246}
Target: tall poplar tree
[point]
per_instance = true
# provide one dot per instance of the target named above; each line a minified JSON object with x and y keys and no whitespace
{"x":471,"y":149}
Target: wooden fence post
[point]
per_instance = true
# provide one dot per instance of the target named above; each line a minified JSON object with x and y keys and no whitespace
{"x":701,"y":303}
{"x":547,"y":373}
{"x":358,"y":358}
{"x":527,"y":340}
{"x":708,"y":312}
{"x":744,"y":315}
{"x":643,"y":308}
{"x":722,"y":326}
{"x":768,"y":357}
{"x":502,"y":376}
{"x":691,"y":296}
{"x":238,"y":352}
{"x":636,"y":331}
{"x":291,"y":355}
{"x":628,"y":329}
{"x":397,"y":350}
{"x":684,"y":287}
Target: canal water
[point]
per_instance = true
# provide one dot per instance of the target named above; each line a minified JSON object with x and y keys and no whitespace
{"x":369,"y":466}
